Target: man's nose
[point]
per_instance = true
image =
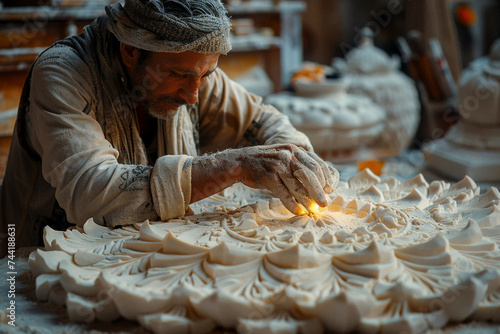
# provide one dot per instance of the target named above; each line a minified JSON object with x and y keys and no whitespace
{"x":189,"y":91}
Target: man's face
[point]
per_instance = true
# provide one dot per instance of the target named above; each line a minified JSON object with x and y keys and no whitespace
{"x":163,"y":82}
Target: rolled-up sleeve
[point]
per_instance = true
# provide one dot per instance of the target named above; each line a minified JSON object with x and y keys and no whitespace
{"x":171,"y":185}
{"x":230,"y":116}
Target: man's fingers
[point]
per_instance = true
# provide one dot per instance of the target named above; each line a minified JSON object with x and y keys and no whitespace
{"x":281,"y":191}
{"x":311,"y":162}
{"x":299,"y":178}
{"x":311,"y":184}
{"x":297,"y":190}
{"x":330,"y":174}
{"x":327,"y":176}
{"x":333,"y":180}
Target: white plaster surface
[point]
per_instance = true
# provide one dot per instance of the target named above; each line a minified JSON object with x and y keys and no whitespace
{"x":457,"y":161}
{"x":385,"y":256}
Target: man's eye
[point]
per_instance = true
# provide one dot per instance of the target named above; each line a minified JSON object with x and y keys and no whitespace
{"x":177,"y":75}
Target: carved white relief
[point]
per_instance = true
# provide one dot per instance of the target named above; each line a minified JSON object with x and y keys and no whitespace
{"x":384,"y":256}
{"x":370,"y":72}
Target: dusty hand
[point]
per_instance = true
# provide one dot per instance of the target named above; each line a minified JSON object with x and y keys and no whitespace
{"x":294,"y":175}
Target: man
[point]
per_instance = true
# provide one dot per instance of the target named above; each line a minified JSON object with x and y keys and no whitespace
{"x":112,"y":123}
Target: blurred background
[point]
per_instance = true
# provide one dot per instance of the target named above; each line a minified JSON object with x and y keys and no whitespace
{"x":302,"y":56}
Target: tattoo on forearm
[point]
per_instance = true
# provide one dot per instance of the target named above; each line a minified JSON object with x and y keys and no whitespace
{"x":136,"y":178}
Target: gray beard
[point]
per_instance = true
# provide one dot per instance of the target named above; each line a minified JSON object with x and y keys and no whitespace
{"x":161,"y":113}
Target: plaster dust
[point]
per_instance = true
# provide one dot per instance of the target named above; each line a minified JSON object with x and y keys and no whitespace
{"x":394,"y":256}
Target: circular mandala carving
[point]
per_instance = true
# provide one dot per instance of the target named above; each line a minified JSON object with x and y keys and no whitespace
{"x":384,"y":256}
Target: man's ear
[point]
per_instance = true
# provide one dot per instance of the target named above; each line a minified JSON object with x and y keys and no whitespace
{"x":130,"y":55}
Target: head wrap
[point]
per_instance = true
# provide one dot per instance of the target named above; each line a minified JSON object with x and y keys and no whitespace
{"x":171,"y":25}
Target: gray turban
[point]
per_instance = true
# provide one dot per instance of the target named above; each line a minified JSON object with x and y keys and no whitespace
{"x":171,"y":25}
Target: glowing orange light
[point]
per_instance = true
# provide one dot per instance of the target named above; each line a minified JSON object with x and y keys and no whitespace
{"x":313,"y":208}
{"x":374,"y":165}
{"x":303,"y":210}
{"x":465,"y":15}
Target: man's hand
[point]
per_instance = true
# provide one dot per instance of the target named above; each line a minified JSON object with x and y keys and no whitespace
{"x":294,"y":175}
{"x":299,"y":178}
